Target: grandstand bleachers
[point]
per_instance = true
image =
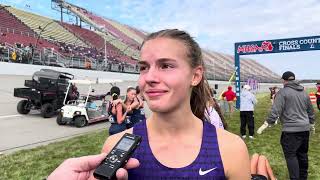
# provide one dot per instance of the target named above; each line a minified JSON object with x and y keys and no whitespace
{"x":110,"y":37}
{"x":92,"y":38}
{"x":48,"y":28}
{"x":9,"y":24}
{"x":77,"y":45}
{"x":97,"y":41}
{"x":128,"y":32}
{"x":110,"y":28}
{"x":225,"y":66}
{"x":262,"y":72}
{"x":139,"y":33}
{"x":213,"y":67}
{"x":14,"y":31}
{"x":85,"y":35}
{"x":249,"y":68}
{"x":26,"y":40}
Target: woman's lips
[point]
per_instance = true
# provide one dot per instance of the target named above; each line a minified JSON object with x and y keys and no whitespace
{"x":155,"y":93}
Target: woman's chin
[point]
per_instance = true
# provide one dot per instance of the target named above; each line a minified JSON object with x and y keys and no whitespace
{"x":157,"y":108}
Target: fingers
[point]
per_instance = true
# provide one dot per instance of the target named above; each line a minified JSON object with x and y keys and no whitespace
{"x":269,"y":171}
{"x":132,"y":163}
{"x":88,"y":163}
{"x":122,"y":173}
{"x":254,"y":163}
{"x":77,"y":166}
{"x":262,"y":168}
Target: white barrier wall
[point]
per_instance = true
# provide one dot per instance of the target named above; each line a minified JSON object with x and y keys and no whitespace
{"x":28,"y":70}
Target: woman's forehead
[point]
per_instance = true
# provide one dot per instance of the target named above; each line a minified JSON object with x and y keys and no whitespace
{"x":163,"y":47}
{"x":131,"y":90}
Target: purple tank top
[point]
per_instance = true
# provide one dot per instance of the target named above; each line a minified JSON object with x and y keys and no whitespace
{"x":207,"y":165}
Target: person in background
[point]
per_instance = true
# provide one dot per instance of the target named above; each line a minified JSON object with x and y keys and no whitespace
{"x":318,"y":95}
{"x":273,"y":91}
{"x":230,"y":97}
{"x":118,"y":113}
{"x":247,"y":103}
{"x":138,"y":112}
{"x":139,"y":97}
{"x":213,"y":113}
{"x":73,"y":93}
{"x":292,"y":104}
{"x":14,"y":56}
{"x":131,"y":103}
{"x":265,"y":125}
{"x":213,"y":92}
{"x":260,"y":168}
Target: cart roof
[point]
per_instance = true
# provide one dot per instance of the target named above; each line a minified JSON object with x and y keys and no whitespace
{"x":52,"y":74}
{"x":100,"y":81}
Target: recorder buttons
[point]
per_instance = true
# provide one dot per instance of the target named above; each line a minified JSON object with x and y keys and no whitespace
{"x":113,"y":158}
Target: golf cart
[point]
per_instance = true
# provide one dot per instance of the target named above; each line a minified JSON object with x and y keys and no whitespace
{"x":87,"y":108}
{"x":45,"y":92}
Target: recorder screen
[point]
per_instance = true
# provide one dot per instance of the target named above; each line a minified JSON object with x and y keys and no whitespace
{"x":125,"y":144}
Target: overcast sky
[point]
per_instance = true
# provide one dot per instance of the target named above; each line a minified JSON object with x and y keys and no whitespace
{"x":216,"y":24}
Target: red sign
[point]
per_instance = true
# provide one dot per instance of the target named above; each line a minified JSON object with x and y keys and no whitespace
{"x":265,"y":46}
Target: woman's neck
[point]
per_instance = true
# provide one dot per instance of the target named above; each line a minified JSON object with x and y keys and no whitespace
{"x":174,"y":123}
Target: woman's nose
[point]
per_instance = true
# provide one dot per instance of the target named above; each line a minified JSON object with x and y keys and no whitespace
{"x":152,"y":76}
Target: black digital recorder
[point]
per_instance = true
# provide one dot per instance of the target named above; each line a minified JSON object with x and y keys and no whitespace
{"x":117,"y":157}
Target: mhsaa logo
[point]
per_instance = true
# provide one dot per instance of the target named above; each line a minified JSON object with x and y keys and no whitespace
{"x":265,"y":46}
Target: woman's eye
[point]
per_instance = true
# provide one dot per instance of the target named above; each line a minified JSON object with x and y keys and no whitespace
{"x":142,"y":68}
{"x":166,"y":66}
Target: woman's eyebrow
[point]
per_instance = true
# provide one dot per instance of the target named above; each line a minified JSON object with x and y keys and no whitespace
{"x":142,"y":63}
{"x":165,"y":60}
{"x":161,"y":60}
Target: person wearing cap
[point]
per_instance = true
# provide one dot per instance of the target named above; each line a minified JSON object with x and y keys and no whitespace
{"x":248,"y":100}
{"x":292,"y":104}
{"x":318,"y":94}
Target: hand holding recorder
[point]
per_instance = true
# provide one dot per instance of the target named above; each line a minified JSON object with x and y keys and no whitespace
{"x":82,"y":168}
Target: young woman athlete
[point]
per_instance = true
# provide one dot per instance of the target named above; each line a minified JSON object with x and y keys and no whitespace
{"x":176,"y":142}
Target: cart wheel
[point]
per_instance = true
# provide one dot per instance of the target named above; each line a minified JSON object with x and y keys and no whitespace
{"x":47,"y":110}
{"x":80,"y":121}
{"x":59,"y":119}
{"x":22,"y":107}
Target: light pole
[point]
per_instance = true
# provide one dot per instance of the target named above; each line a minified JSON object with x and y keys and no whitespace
{"x":214,"y":71}
{"x":123,"y":53}
{"x":225,"y":71}
{"x":39,"y":35}
{"x":42,"y":29}
{"x":105,"y":48}
{"x":128,"y":45}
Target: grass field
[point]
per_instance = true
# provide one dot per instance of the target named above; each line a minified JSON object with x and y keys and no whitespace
{"x":37,"y":163}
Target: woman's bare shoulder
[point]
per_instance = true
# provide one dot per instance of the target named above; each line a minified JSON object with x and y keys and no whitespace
{"x":234,"y":154}
{"x":227,"y":138}
{"x":230,"y":143}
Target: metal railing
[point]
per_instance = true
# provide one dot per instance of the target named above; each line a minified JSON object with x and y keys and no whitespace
{"x":51,"y":57}
{"x":4,"y":55}
{"x":14,"y":31}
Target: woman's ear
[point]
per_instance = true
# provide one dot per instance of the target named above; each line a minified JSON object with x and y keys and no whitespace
{"x":197,"y":75}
